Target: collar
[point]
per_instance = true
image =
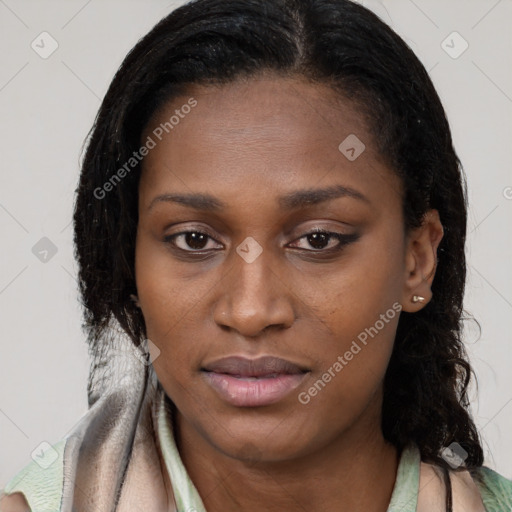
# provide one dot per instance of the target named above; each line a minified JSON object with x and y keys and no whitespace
{"x":403,"y":499}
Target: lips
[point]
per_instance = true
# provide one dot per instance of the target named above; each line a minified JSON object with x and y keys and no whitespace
{"x":244,"y":382}
{"x":261,"y":367}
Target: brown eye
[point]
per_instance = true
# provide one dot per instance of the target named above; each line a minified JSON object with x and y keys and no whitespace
{"x":190,"y":241}
{"x":326,"y":241}
{"x":319,"y":240}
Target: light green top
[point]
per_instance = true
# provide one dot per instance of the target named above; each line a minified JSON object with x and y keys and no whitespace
{"x":41,"y":481}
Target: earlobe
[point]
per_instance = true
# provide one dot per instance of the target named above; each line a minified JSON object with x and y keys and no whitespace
{"x":421,"y":262}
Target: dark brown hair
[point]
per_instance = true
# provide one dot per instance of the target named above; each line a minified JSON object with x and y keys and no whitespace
{"x":336,"y":42}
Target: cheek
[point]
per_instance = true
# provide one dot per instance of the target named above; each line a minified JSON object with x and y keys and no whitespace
{"x":354,"y":294}
{"x":171,"y":306}
{"x":353,"y":360}
{"x":359,"y":304}
{"x":164,"y":296}
{"x":162,"y":299}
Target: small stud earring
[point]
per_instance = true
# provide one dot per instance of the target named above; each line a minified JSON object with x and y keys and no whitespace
{"x":418,"y":298}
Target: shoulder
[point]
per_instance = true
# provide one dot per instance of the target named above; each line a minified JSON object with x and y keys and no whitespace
{"x":495,"y":489}
{"x":432,"y":490}
{"x":480,"y":489}
{"x":38,"y":485}
{"x":14,"y":503}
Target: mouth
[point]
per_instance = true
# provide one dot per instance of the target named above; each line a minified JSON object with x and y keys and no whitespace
{"x":244,"y":382}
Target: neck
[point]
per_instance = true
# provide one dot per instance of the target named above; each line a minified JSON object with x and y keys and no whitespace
{"x":356,"y":472}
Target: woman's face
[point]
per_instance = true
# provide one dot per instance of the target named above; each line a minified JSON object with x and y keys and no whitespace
{"x":230,"y":269}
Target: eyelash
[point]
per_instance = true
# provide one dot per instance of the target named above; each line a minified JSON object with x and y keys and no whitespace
{"x":343,"y":240}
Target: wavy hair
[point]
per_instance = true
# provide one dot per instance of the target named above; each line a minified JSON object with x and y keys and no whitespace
{"x":333,"y":42}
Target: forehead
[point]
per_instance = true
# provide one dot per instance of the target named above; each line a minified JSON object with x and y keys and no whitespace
{"x":261,"y":108}
{"x":268,"y":131}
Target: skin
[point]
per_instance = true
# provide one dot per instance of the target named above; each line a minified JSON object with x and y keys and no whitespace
{"x":247,"y":143}
{"x":15,"y":502}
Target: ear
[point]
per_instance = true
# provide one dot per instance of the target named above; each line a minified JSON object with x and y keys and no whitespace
{"x":421,"y":262}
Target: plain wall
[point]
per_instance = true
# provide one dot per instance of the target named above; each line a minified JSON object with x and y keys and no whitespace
{"x":47,"y":107}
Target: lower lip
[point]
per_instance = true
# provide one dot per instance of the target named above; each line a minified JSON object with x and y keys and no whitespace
{"x":242,"y":392}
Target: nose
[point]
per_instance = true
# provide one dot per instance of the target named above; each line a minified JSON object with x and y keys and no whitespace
{"x":254,"y":297}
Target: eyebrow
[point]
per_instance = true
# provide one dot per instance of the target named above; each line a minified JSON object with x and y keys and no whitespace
{"x":297,"y":199}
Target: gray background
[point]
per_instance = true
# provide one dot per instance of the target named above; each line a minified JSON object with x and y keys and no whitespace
{"x":47,"y":107}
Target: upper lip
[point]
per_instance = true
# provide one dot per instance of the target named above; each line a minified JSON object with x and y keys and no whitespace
{"x":246,"y":367}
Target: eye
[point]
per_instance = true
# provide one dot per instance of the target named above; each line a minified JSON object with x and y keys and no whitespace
{"x":327,"y":241}
{"x":191,"y":241}
{"x":319,"y":239}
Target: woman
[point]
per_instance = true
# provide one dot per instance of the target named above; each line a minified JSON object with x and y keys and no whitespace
{"x":270,"y":227}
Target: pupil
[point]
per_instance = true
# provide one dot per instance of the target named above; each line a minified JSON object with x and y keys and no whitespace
{"x":318,"y":238}
{"x":194,"y":238}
